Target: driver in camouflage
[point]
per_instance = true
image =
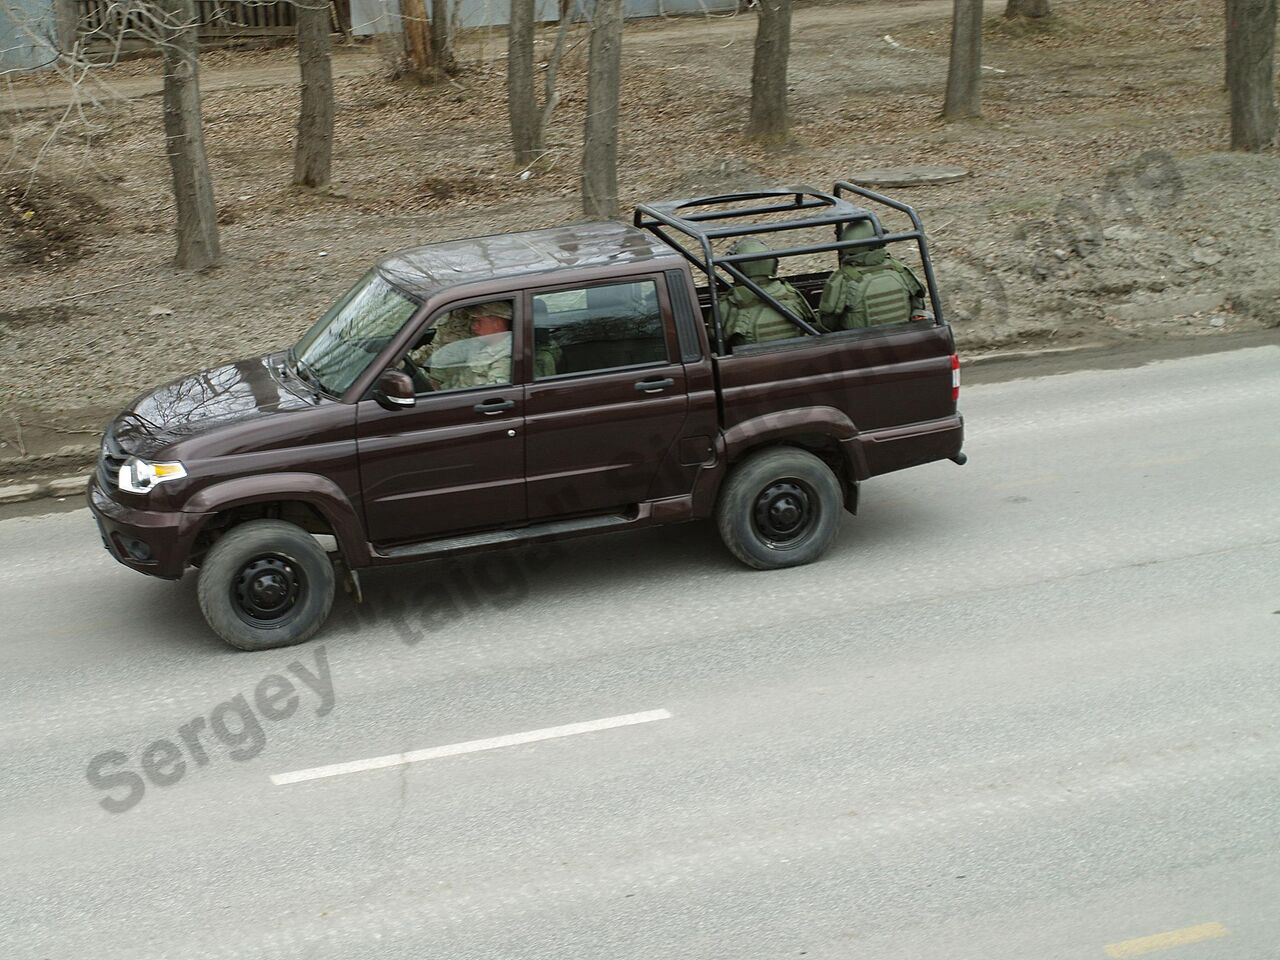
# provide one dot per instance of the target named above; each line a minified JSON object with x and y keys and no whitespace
{"x":870,"y":287}
{"x":475,"y":355}
{"x":452,"y":327}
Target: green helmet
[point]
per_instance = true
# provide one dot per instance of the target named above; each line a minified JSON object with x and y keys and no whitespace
{"x":865,"y":256}
{"x":755,"y":269}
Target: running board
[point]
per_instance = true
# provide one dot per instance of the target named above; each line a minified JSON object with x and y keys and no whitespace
{"x":497,"y":538}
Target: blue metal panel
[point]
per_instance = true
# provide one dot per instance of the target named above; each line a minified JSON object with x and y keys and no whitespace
{"x":27,"y":29}
{"x":374,"y":16}
{"x":672,"y":8}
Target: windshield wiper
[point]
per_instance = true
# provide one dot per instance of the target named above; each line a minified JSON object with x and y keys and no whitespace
{"x":305,"y":373}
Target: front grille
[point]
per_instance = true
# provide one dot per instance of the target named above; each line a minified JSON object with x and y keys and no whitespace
{"x":111,"y":459}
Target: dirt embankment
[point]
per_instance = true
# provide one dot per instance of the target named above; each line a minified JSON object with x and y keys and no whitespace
{"x":1099,"y":205}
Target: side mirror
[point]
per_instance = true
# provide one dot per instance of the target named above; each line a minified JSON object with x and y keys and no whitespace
{"x":394,"y":390}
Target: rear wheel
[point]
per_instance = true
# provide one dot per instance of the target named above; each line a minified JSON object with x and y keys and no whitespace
{"x":266,"y":584}
{"x":780,"y":508}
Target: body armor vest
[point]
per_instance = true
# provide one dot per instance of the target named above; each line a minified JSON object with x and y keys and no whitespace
{"x":749,"y":319}
{"x":868,"y":294}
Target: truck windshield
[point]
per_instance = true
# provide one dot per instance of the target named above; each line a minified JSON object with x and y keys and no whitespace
{"x":351,"y":333}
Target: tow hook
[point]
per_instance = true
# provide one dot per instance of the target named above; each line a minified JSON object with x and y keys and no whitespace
{"x":960,"y":459}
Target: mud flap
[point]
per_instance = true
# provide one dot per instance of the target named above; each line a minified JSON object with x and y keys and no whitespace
{"x":851,"y":496}
{"x":350,"y":581}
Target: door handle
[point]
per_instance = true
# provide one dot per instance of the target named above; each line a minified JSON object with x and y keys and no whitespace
{"x":653,"y":386}
{"x":493,"y":405}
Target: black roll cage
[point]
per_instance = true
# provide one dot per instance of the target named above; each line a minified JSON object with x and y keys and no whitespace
{"x":814,"y":208}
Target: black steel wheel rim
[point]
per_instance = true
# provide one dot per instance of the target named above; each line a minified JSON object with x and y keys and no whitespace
{"x":268,"y":590}
{"x":784,"y":512}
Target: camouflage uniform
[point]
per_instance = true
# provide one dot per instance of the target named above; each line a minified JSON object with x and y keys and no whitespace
{"x":870,"y":287}
{"x":457,"y":359}
{"x":474,"y":362}
{"x":748,"y":319}
{"x":545,"y":360}
{"x":452,"y":327}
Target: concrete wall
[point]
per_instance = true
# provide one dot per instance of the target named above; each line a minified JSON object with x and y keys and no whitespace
{"x":481,"y":13}
{"x":27,"y":29}
{"x":380,"y":16}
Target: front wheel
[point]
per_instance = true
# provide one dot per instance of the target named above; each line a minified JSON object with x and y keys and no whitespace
{"x":266,"y":584}
{"x":779,"y":508}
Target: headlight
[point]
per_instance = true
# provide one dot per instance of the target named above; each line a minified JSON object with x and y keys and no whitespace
{"x":139,"y":476}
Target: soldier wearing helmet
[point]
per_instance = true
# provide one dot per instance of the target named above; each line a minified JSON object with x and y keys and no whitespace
{"x":870,"y":287}
{"x":748,"y":319}
{"x":479,"y":357}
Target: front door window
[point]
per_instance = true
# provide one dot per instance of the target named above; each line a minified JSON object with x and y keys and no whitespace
{"x":465,"y":348}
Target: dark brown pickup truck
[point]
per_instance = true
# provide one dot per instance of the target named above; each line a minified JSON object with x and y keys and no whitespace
{"x":527,"y":387}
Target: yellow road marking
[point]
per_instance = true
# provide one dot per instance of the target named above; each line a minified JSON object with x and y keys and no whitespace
{"x":1163,"y":941}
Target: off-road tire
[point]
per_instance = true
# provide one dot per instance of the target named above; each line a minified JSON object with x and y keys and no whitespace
{"x":246,"y":554}
{"x":782,"y":477}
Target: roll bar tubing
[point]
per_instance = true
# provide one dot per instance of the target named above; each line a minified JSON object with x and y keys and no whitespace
{"x":834,"y":210}
{"x":922,"y":241}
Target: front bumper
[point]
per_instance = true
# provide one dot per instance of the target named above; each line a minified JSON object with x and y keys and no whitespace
{"x":154,"y":542}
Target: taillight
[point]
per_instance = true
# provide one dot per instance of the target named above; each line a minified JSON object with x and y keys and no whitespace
{"x":955,"y":377}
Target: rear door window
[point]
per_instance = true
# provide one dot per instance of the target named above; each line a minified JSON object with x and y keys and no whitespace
{"x":596,"y":328}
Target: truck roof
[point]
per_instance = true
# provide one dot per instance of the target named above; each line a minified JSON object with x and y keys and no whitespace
{"x":436,"y":266}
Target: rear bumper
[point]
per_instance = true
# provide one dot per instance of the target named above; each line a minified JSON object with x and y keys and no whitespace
{"x":883,"y":451}
{"x":154,"y":542}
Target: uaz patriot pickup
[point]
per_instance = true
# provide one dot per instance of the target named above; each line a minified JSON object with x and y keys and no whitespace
{"x":533,"y":386}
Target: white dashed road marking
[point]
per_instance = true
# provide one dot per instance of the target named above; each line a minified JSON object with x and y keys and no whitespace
{"x":470,"y":746}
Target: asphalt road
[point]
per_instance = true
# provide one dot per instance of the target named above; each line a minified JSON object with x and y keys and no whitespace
{"x":1027,"y":708}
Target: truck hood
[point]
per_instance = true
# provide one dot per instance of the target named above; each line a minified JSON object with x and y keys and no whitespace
{"x":205,"y":401}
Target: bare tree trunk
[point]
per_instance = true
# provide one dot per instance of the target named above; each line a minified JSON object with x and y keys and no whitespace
{"x":964,"y":78}
{"x":442,"y":56}
{"x":417,"y":40}
{"x":1251,"y":73}
{"x":604,"y":82}
{"x":313,"y":150}
{"x":528,"y":120}
{"x":1027,"y":8}
{"x":551,"y":96}
{"x":522,"y":98}
{"x":197,"y":232}
{"x":768,"y":120}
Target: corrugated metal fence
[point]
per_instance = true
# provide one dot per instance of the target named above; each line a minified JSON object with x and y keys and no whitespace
{"x":222,"y":18}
